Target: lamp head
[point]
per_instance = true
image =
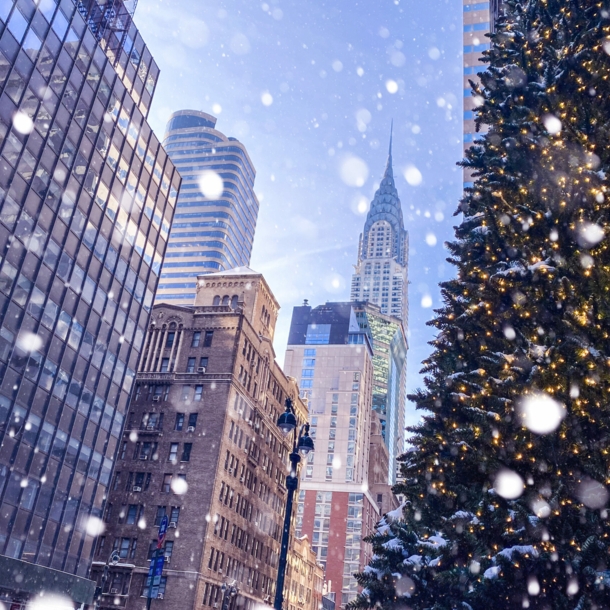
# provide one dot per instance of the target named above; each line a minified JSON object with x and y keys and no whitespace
{"x":287,"y":422}
{"x":305,"y":444}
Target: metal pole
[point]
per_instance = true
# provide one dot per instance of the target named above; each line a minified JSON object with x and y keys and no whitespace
{"x":292,"y":482}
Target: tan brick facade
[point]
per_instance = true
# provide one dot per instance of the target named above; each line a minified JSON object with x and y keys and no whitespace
{"x":207,"y":400}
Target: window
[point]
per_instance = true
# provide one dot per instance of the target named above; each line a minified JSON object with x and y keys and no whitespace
{"x":209,"y":334}
{"x":169,"y":549}
{"x":198,"y":392}
{"x":132,"y":514}
{"x":124,"y":548}
{"x":203,"y":363}
{"x":196,"y":339}
{"x":309,"y":353}
{"x":193,"y":420}
{"x":179,"y":421}
{"x":170,"y":339}
{"x":317,"y":334}
{"x":186,"y":393}
{"x":175,"y":515}
{"x":186,"y":452}
{"x":167,"y":483}
{"x":161,"y":512}
{"x":164,"y":365}
{"x":190,"y":366}
{"x":173,"y":452}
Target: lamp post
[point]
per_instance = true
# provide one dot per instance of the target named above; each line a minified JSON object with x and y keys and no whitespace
{"x":301,"y":446}
{"x":112,"y":560}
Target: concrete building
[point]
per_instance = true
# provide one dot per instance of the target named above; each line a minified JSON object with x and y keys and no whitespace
{"x":304,"y":577}
{"x":479,"y":18}
{"x":202,"y":446}
{"x":217,"y":208}
{"x":87,"y":195}
{"x":332,"y":356}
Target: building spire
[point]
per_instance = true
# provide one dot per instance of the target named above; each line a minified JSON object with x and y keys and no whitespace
{"x":388,"y":169}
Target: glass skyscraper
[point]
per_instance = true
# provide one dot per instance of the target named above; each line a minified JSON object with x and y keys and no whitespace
{"x":87,"y":195}
{"x":217,"y":208}
{"x":479,"y":18}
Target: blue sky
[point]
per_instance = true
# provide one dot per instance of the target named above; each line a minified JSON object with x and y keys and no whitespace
{"x":311,"y":88}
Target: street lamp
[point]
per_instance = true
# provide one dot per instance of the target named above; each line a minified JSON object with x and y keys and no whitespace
{"x":301,"y":446}
{"x":112,"y":560}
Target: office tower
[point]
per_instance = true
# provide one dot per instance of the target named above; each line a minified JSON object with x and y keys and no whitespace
{"x":479,"y":18}
{"x":203,"y":418}
{"x":332,"y":357}
{"x":379,"y":290}
{"x":87,"y":196}
{"x":217,"y":208}
{"x":389,"y":378}
{"x":383,"y":252}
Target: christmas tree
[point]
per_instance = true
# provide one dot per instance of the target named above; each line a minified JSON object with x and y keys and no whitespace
{"x":505,"y":485}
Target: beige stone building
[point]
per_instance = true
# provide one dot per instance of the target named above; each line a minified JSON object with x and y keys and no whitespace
{"x":304,"y":577}
{"x":201,"y":446}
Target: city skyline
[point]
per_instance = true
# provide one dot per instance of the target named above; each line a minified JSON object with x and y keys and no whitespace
{"x":312,"y":114}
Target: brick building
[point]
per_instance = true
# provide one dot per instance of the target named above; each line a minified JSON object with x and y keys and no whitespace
{"x":201,"y":446}
{"x":304,"y":577}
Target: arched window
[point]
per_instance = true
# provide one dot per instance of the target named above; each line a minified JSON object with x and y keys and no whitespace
{"x":216,"y":300}
{"x":225,"y":300}
{"x":234,"y":302}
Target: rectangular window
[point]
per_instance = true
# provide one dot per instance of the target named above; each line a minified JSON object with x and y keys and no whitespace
{"x":167,"y":483}
{"x":209,"y":334}
{"x":198,"y":392}
{"x":317,"y":334}
{"x":196,"y":339}
{"x":193,"y":421}
{"x":179,"y":421}
{"x":186,"y":452}
{"x":173,"y":452}
{"x":124,"y":548}
{"x":175,"y":515}
{"x":203,"y":364}
{"x":161,"y":511}
{"x":164,"y":365}
{"x":309,"y":353}
{"x":190,"y":366}
{"x":170,"y":339}
{"x":168,"y":550}
{"x":132,"y":514}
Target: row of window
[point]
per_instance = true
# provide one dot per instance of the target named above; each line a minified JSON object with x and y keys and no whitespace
{"x":141,"y":481}
{"x":147,"y":450}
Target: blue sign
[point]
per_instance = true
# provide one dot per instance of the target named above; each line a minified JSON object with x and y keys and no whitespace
{"x":162,"y":531}
{"x":154,"y":590}
{"x":155,"y":571}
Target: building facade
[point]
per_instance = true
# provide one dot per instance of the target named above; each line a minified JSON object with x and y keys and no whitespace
{"x":332,"y":357}
{"x":202,"y":446}
{"x":389,"y":378}
{"x":304,"y":577}
{"x":87,"y":195}
{"x":217,"y":208}
{"x":478,"y":18}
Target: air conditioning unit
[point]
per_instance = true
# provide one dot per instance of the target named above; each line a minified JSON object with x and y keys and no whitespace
{"x":191,"y":429}
{"x":241,"y":479}
{"x":114,"y":591}
{"x":173,"y":524}
{"x":159,"y":595}
{"x":137,"y":488}
{"x":230,"y":471}
{"x":201,"y":369}
{"x":144,"y":457}
{"x":151,"y":426}
{"x":215,"y":605}
{"x":156,"y":398}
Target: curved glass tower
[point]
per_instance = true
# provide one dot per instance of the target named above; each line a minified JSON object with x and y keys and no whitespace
{"x":214,"y":232}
